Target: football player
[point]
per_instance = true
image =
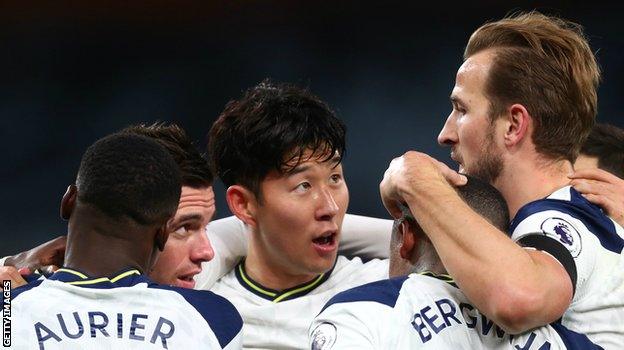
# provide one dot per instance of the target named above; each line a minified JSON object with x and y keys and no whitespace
{"x":127,"y":190}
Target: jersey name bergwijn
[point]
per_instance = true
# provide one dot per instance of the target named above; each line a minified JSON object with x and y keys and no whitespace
{"x":433,"y":319}
{"x":74,"y":325}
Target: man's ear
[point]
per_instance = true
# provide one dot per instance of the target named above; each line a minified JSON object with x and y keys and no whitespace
{"x":68,"y":202}
{"x":517,"y":124}
{"x":243,"y":203}
{"x":408,"y":240}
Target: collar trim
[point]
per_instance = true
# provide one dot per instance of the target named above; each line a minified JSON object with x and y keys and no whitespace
{"x":275,"y":295}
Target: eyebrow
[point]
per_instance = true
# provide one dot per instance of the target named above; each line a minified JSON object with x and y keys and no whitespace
{"x":304,"y":167}
{"x":298,"y":169}
{"x":456,"y":100}
{"x":189,"y":217}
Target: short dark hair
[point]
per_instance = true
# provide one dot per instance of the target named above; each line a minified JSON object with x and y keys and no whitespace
{"x":194,"y":168}
{"x":484,"y":199}
{"x":129,"y":176}
{"x":606,"y":142}
{"x":267,"y":129}
{"x":487,"y":201}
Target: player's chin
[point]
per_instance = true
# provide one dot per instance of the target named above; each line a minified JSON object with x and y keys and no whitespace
{"x":322,"y":264}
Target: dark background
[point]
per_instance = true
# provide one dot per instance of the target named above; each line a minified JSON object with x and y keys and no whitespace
{"x":74,"y":73}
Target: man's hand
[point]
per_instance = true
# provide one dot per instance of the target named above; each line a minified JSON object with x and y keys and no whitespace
{"x":11,"y":273}
{"x":50,"y":253}
{"x":413,"y":171}
{"x":603,"y":189}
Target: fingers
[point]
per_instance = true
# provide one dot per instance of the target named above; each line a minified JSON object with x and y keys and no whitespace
{"x":595,"y":174}
{"x":24,"y":271}
{"x":11,"y":273}
{"x":393,"y":208}
{"x":453,"y":177}
{"x":589,"y":186}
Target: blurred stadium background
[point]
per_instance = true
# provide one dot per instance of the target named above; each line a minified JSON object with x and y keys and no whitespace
{"x":72,"y":73}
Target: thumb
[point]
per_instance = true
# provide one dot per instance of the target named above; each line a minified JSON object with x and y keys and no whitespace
{"x":24,"y":271}
{"x":451,"y":176}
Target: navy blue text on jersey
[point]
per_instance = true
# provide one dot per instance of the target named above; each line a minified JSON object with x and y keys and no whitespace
{"x":96,"y":324}
{"x":432,"y":320}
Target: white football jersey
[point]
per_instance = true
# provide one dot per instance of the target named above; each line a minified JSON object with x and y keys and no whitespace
{"x":280,"y":319}
{"x":362,"y":236}
{"x":69,"y":310}
{"x":422,"y":312}
{"x":589,"y":245}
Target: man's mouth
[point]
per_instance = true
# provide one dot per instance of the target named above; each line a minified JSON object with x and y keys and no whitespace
{"x":326,"y":243}
{"x":325,"y":239}
{"x":186,"y":281}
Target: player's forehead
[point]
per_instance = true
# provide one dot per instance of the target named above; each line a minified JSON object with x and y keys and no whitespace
{"x":472,"y":74}
{"x":198,"y":201}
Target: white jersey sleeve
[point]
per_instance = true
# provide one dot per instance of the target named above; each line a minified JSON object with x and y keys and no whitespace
{"x":366,"y":237}
{"x":589,"y":245}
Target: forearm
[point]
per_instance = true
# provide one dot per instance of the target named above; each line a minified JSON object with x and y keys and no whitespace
{"x":506,"y":282}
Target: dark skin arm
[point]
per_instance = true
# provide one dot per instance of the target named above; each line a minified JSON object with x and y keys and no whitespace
{"x":50,"y":253}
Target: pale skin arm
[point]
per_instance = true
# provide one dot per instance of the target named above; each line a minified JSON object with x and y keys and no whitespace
{"x":517,"y":288}
{"x":603,"y":189}
{"x":12,"y":274}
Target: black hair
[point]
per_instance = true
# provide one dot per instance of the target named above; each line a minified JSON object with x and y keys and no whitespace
{"x":606,"y":142}
{"x":129,"y":176}
{"x":270,"y":128}
{"x":194,"y":168}
{"x":483,"y":198}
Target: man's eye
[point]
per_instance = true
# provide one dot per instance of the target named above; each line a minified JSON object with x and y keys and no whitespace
{"x":336,"y":178}
{"x":182,"y":230}
{"x":302,"y":187}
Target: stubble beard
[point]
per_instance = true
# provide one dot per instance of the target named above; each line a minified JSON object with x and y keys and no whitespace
{"x":490,"y":164}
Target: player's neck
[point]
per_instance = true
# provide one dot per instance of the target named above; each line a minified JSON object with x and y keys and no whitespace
{"x":270,"y":274}
{"x":526,"y":180}
{"x":95,"y":249}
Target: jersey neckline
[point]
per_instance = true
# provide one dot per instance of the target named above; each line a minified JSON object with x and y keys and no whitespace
{"x":277,"y":296}
{"x":124,"y":278}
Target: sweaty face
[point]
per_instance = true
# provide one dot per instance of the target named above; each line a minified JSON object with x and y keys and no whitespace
{"x":468,"y":130}
{"x":188,"y":245}
{"x":300,"y":217}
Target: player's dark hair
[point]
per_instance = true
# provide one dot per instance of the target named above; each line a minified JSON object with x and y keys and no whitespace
{"x":484,"y":199}
{"x":129,"y":176}
{"x":269,"y":128}
{"x":606,"y":142}
{"x":194,"y":168}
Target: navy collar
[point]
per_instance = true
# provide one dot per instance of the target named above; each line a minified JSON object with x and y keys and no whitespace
{"x":275,"y":295}
{"x":124,"y":278}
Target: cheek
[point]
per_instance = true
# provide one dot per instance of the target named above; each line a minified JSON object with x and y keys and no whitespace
{"x":342,"y":200}
{"x":170,"y":257}
{"x":471,"y":135}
